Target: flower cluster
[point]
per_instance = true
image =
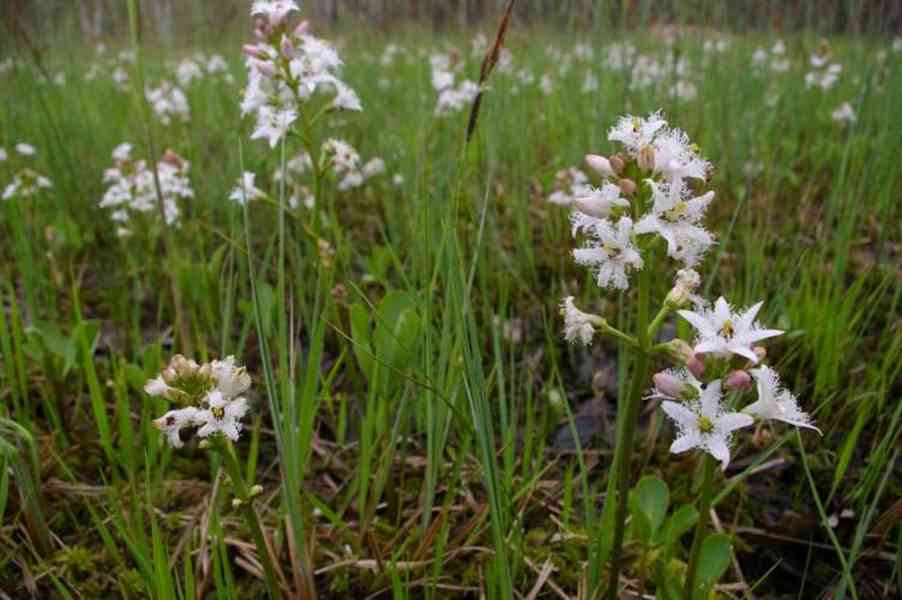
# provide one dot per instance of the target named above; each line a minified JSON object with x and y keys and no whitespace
{"x":168,"y":101}
{"x":286,"y":68}
{"x":199,"y":65}
{"x":666,"y":206}
{"x":724,"y":357}
{"x":824,"y":73}
{"x":775,"y":59}
{"x":132,"y":189}
{"x":452,"y":96}
{"x":26,"y":182}
{"x":209,"y":396}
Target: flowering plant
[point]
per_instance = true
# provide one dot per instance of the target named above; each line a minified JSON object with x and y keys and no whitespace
{"x":645,"y":206}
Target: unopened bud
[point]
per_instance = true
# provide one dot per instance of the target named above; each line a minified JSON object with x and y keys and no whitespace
{"x":204,"y":445}
{"x":237,"y":502}
{"x":252,"y":51}
{"x":302,"y":28}
{"x":677,"y":297}
{"x":646,"y":159}
{"x":256,"y":490}
{"x":599,"y":164}
{"x":287,"y":46}
{"x":265,"y":68}
{"x":617,"y":163}
{"x":696,"y":366}
{"x":627,"y":187}
{"x":738,"y":380}
{"x":669,"y":385}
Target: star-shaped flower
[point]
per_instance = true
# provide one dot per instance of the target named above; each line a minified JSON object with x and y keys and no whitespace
{"x":705,"y":424}
{"x":636,"y":133}
{"x":612,"y":252}
{"x":676,"y":217}
{"x":775,"y":401}
{"x":172,"y":423}
{"x":723,"y":331}
{"x":222,"y":415}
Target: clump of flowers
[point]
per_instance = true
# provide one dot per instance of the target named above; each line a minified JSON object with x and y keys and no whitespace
{"x":26,"y":182}
{"x":209,"y":397}
{"x":824,"y":73}
{"x":168,"y":102}
{"x":287,"y":68}
{"x":131,"y":190}
{"x":844,"y":114}
{"x":452,"y":95}
{"x":651,"y":202}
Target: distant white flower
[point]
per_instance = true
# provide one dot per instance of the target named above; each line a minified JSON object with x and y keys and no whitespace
{"x":600,"y":202}
{"x":168,"y":101}
{"x":612,"y":252}
{"x":776,"y":402}
{"x":273,"y":11}
{"x":245,"y":190}
{"x":704,"y":424}
{"x":897,"y":44}
{"x":635,"y":132}
{"x":174,"y":421}
{"x":723,"y":331}
{"x":676,"y":217}
{"x":778,"y":48}
{"x":844,"y":114}
{"x":222,"y":415}
{"x":25,"y":149}
{"x":3,"y":155}
{"x":375,"y":166}
{"x":577,"y":324}
{"x":760,"y":56}
{"x":122,"y":152}
{"x":26,"y":183}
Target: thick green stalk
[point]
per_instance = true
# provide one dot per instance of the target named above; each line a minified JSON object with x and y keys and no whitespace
{"x":626,"y":430}
{"x":251,"y":518}
{"x":704,"y":511}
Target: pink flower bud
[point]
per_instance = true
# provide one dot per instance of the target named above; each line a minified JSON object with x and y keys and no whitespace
{"x":599,"y":164}
{"x":738,"y":380}
{"x":617,"y":163}
{"x":696,"y":366}
{"x":252,"y":51}
{"x":668,"y":385}
{"x":287,"y":46}
{"x":627,"y":187}
{"x":302,"y":28}
{"x":265,"y":68}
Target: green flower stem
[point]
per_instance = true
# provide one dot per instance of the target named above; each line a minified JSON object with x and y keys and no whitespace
{"x":705,"y":510}
{"x":612,"y":331}
{"x":623,"y":452}
{"x":658,"y":321}
{"x":251,"y":518}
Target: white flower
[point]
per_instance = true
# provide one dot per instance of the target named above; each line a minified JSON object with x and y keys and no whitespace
{"x":577,"y":324}
{"x":636,"y":133}
{"x":3,"y":154}
{"x":705,"y":425}
{"x":343,"y":156}
{"x":173,"y":421}
{"x":231,"y":381}
{"x":778,"y":48}
{"x":722,"y":332}
{"x":612,"y":252}
{"x":222,"y":415}
{"x":844,"y":114}
{"x":776,"y":402}
{"x":273,"y":124}
{"x":375,"y":166}
{"x":122,"y":152}
{"x":599,"y":202}
{"x":675,"y":217}
{"x":25,"y":149}
{"x":273,"y":11}
{"x":245,"y":190}
{"x":675,"y":156}
{"x":158,"y":387}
